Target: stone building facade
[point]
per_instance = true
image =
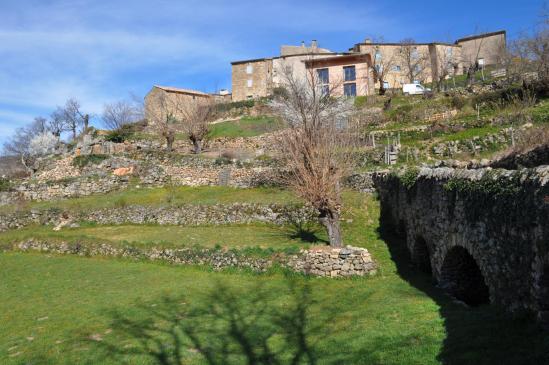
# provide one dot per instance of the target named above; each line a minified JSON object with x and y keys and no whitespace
{"x":163,"y":100}
{"x":485,"y":49}
{"x":257,"y":78}
{"x":348,"y":75}
{"x":482,"y":234}
{"x":431,"y":61}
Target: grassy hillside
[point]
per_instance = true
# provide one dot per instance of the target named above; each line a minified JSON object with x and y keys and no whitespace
{"x":57,"y":310}
{"x":245,"y":127}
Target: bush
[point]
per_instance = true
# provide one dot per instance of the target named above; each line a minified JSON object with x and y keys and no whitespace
{"x":458,"y":102}
{"x":5,"y":184}
{"x":361,"y":101}
{"x":82,"y":161}
{"x":120,"y":135}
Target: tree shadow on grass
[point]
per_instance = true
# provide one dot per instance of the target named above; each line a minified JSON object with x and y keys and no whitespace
{"x":226,"y":326}
{"x":479,"y":335}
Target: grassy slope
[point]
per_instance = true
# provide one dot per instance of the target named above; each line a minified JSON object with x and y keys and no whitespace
{"x":204,"y":195}
{"x":245,"y":127}
{"x":396,"y":317}
{"x":230,"y":236}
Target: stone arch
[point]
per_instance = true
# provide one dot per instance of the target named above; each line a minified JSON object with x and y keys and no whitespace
{"x":421,"y":255}
{"x":461,"y":277}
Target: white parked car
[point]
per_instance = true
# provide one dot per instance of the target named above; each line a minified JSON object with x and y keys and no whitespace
{"x":414,"y":89}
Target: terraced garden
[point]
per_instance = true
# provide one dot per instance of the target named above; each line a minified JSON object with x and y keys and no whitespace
{"x":77,"y":310}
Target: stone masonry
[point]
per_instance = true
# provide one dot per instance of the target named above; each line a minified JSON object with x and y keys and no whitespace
{"x":482,"y":234}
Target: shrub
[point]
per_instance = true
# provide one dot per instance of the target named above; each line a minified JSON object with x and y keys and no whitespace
{"x":220,"y":161}
{"x":458,"y":102}
{"x":409,"y":178}
{"x":85,"y":160}
{"x":120,"y":203}
{"x":121,"y":134}
{"x":361,"y":101}
{"x":5,"y":184}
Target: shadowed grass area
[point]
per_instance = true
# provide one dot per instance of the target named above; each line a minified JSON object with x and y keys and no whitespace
{"x":245,"y":127}
{"x":200,"y":195}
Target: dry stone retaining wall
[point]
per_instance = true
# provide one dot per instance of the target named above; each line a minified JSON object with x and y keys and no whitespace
{"x":183,"y":215}
{"x":349,"y":261}
{"x":484,"y":234}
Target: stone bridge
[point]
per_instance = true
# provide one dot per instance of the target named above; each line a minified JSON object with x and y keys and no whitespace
{"x":482,"y":234}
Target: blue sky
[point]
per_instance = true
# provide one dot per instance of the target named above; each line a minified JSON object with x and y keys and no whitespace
{"x":102,"y":50}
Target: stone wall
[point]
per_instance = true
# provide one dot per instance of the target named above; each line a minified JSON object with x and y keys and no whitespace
{"x":325,"y":261}
{"x":482,"y":234}
{"x":343,"y":262}
{"x":183,"y":215}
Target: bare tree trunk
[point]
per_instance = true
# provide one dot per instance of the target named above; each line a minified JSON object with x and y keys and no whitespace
{"x":86,"y":123}
{"x":197,"y":145}
{"x":381,"y":88}
{"x":330,"y":220}
{"x":170,"y":138}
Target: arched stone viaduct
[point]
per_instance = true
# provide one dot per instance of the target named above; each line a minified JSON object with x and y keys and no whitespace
{"x":482,"y":234}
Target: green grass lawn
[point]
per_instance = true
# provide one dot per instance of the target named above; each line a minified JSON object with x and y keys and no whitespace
{"x":143,"y":236}
{"x":203,"y":195}
{"x":66,"y":310}
{"x":245,"y":127}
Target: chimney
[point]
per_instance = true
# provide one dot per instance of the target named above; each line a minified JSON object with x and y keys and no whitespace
{"x":303,"y":44}
{"x":368,"y":40}
{"x":314,"y":44}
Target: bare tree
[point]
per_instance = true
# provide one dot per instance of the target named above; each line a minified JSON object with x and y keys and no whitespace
{"x":538,"y":49}
{"x":196,"y":116}
{"x":31,"y":142}
{"x":117,"y":114}
{"x":72,"y":117}
{"x":413,"y":62}
{"x":471,"y":60}
{"x":316,"y":146}
{"x":383,"y":63}
{"x":447,"y":64}
{"x":160,"y":114}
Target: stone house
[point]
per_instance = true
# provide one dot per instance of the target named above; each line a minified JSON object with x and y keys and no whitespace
{"x":485,"y":49}
{"x":345,"y":75}
{"x":163,"y":100}
{"x":428,"y":60}
{"x":259,"y":77}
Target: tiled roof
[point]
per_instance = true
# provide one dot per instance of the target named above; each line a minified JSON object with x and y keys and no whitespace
{"x":180,"y":91}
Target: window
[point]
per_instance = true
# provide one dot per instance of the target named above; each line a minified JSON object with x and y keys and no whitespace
{"x":378,"y":55}
{"x":417,"y":68}
{"x":325,"y":90}
{"x":349,"y":89}
{"x":250,"y":97}
{"x":323,"y":75}
{"x":250,"y":83}
{"x":349,"y":73}
{"x":379,"y":68}
{"x":249,"y":69}
{"x":396,"y":68}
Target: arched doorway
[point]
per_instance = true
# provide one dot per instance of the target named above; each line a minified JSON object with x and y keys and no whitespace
{"x":461,"y":277}
{"x":421,"y":255}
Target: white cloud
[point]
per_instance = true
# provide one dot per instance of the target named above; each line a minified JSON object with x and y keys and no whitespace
{"x":98,"y":51}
